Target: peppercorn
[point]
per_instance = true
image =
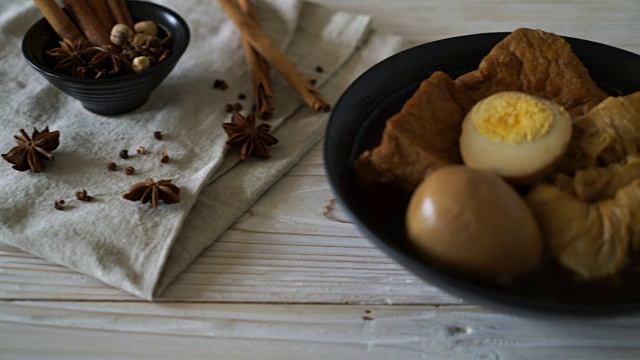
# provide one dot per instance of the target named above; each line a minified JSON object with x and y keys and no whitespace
{"x":82,"y":196}
{"x":165,"y":157}
{"x":59,"y":205}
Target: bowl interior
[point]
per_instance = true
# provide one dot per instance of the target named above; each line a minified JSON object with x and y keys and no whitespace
{"x":41,"y":37}
{"x":357,"y":123}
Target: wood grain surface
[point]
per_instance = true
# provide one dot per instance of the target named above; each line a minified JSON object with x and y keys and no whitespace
{"x":295,"y":279}
{"x":256,"y":331}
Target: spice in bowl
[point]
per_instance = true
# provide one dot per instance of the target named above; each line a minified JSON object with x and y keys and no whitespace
{"x":102,"y":41}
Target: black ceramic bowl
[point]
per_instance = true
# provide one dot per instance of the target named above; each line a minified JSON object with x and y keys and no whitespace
{"x":115,"y":95}
{"x":357,"y":122}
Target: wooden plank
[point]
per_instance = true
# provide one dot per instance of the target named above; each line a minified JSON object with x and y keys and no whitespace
{"x":33,"y":330}
{"x":613,"y":22}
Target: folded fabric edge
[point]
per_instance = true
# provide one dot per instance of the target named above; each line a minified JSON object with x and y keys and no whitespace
{"x":359,"y":33}
{"x":245,"y":169}
{"x":377,"y":47}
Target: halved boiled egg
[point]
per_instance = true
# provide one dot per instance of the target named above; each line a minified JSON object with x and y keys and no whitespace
{"x":515,"y":135}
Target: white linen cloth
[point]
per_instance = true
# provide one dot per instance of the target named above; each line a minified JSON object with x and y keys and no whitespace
{"x":129,"y":245}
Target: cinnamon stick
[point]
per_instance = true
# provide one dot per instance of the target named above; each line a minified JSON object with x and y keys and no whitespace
{"x":59,"y":21}
{"x":120,"y":12}
{"x":264,"y":46}
{"x":102,"y":11}
{"x":262,"y":91}
{"x":88,"y":22}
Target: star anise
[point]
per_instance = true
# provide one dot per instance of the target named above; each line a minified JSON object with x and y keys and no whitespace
{"x":31,"y":151}
{"x":252,"y":139}
{"x":73,"y":57}
{"x":109,"y":60}
{"x":152,"y":192}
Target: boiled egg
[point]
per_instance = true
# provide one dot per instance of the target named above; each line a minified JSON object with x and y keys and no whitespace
{"x":515,"y":135}
{"x":473,"y":222}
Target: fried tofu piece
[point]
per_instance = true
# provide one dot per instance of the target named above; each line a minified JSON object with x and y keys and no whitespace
{"x":607,"y":134}
{"x":591,"y":220}
{"x":537,"y":63}
{"x":420,"y":138}
{"x":599,"y":183}
{"x":592,"y":240}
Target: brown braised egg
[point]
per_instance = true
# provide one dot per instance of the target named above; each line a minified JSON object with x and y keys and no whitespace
{"x":517,"y":136}
{"x":472,"y":222}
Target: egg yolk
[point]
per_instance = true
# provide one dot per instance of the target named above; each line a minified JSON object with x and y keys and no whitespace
{"x":512,"y":118}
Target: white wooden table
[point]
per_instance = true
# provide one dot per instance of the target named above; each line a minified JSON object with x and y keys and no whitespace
{"x":294,"y":278}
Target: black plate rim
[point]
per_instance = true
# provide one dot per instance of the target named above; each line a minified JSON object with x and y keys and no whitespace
{"x":464,"y":289}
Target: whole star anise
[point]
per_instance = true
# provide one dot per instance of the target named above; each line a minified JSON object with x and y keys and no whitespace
{"x":252,"y":139}
{"x":109,"y":60}
{"x":74,"y":57}
{"x":152,"y":192}
{"x":31,"y":151}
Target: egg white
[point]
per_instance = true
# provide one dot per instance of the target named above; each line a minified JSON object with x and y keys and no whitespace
{"x":521,"y":163}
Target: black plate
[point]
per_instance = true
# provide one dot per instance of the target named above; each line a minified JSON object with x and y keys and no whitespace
{"x":357,"y":123}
